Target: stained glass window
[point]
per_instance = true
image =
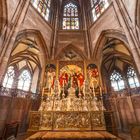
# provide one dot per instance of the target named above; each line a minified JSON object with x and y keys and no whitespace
{"x":97,"y":7}
{"x":117,"y":81}
{"x":9,"y":77}
{"x":24,"y":80}
{"x":70,"y":17}
{"x":43,"y":6}
{"x":132,"y":78}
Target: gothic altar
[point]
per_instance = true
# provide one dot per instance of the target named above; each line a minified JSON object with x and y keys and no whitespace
{"x":70,"y":102}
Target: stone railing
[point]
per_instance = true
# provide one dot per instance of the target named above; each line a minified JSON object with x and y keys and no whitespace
{"x":16,"y":93}
{"x":125,"y":92}
{"x":108,"y":97}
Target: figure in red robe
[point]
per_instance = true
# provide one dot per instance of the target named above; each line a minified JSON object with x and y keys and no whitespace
{"x":81,"y":79}
{"x":63,"y":80}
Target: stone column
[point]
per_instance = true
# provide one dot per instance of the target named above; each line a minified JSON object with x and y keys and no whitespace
{"x":87,"y":45}
{"x":56,"y":24}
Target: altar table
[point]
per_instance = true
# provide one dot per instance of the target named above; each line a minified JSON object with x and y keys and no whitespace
{"x":72,"y":135}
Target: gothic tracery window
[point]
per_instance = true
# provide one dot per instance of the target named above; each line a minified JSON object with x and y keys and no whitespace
{"x":43,"y":6}
{"x":24,"y":80}
{"x":117,"y":81}
{"x":97,"y":8}
{"x":9,"y":77}
{"x":70,"y":17}
{"x":132,"y":78}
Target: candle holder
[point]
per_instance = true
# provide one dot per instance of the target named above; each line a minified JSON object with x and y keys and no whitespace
{"x":56,"y":87}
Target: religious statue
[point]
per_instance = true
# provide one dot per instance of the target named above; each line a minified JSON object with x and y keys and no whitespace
{"x":51,"y":76}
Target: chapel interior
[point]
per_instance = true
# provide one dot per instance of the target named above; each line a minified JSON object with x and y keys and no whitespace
{"x":70,"y":69}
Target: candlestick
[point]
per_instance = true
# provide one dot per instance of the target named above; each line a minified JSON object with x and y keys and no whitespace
{"x":84,"y":89}
{"x":93,"y":90}
{"x":100,"y":91}
{"x":85,"y":70}
{"x":63,"y":83}
{"x":79,"y":84}
{"x":57,"y":69}
{"x":43,"y":91}
{"x":71,"y":82}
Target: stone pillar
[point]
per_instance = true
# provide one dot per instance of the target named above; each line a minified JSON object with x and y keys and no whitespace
{"x":41,"y":84}
{"x":87,"y":46}
{"x":116,"y":113}
{"x":57,"y":70}
{"x":55,"y":34}
{"x":85,"y":70}
{"x":132,"y":111}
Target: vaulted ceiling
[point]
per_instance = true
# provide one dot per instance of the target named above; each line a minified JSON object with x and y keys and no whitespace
{"x":115,"y":55}
{"x":25,"y":54}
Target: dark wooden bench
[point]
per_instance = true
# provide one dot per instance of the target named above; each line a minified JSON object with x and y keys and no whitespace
{"x":10,"y":131}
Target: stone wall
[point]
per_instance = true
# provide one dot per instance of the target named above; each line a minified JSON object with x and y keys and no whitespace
{"x":76,"y":39}
{"x":108,"y":21}
{"x":34,"y":21}
{"x":15,"y":110}
{"x":126,"y":110}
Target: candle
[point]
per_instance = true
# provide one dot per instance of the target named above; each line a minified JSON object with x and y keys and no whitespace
{"x":71,"y":82}
{"x":57,"y":69}
{"x":85,"y":70}
{"x":100,"y":91}
{"x":93,"y":86}
{"x":43,"y":91}
{"x":93,"y":90}
{"x":84,"y":89}
{"x":79,"y":84}
{"x":63,"y":83}
{"x":93,"y":93}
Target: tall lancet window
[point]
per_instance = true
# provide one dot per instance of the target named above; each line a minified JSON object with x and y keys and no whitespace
{"x":24,"y":80}
{"x":9,"y":77}
{"x":43,"y":6}
{"x":70,"y":17}
{"x":132,"y":78}
{"x":98,"y":7}
{"x":117,"y":81}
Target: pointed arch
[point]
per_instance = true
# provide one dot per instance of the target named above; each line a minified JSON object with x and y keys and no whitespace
{"x":24,"y":34}
{"x":30,"y":50}
{"x":103,"y":38}
{"x":71,"y":47}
